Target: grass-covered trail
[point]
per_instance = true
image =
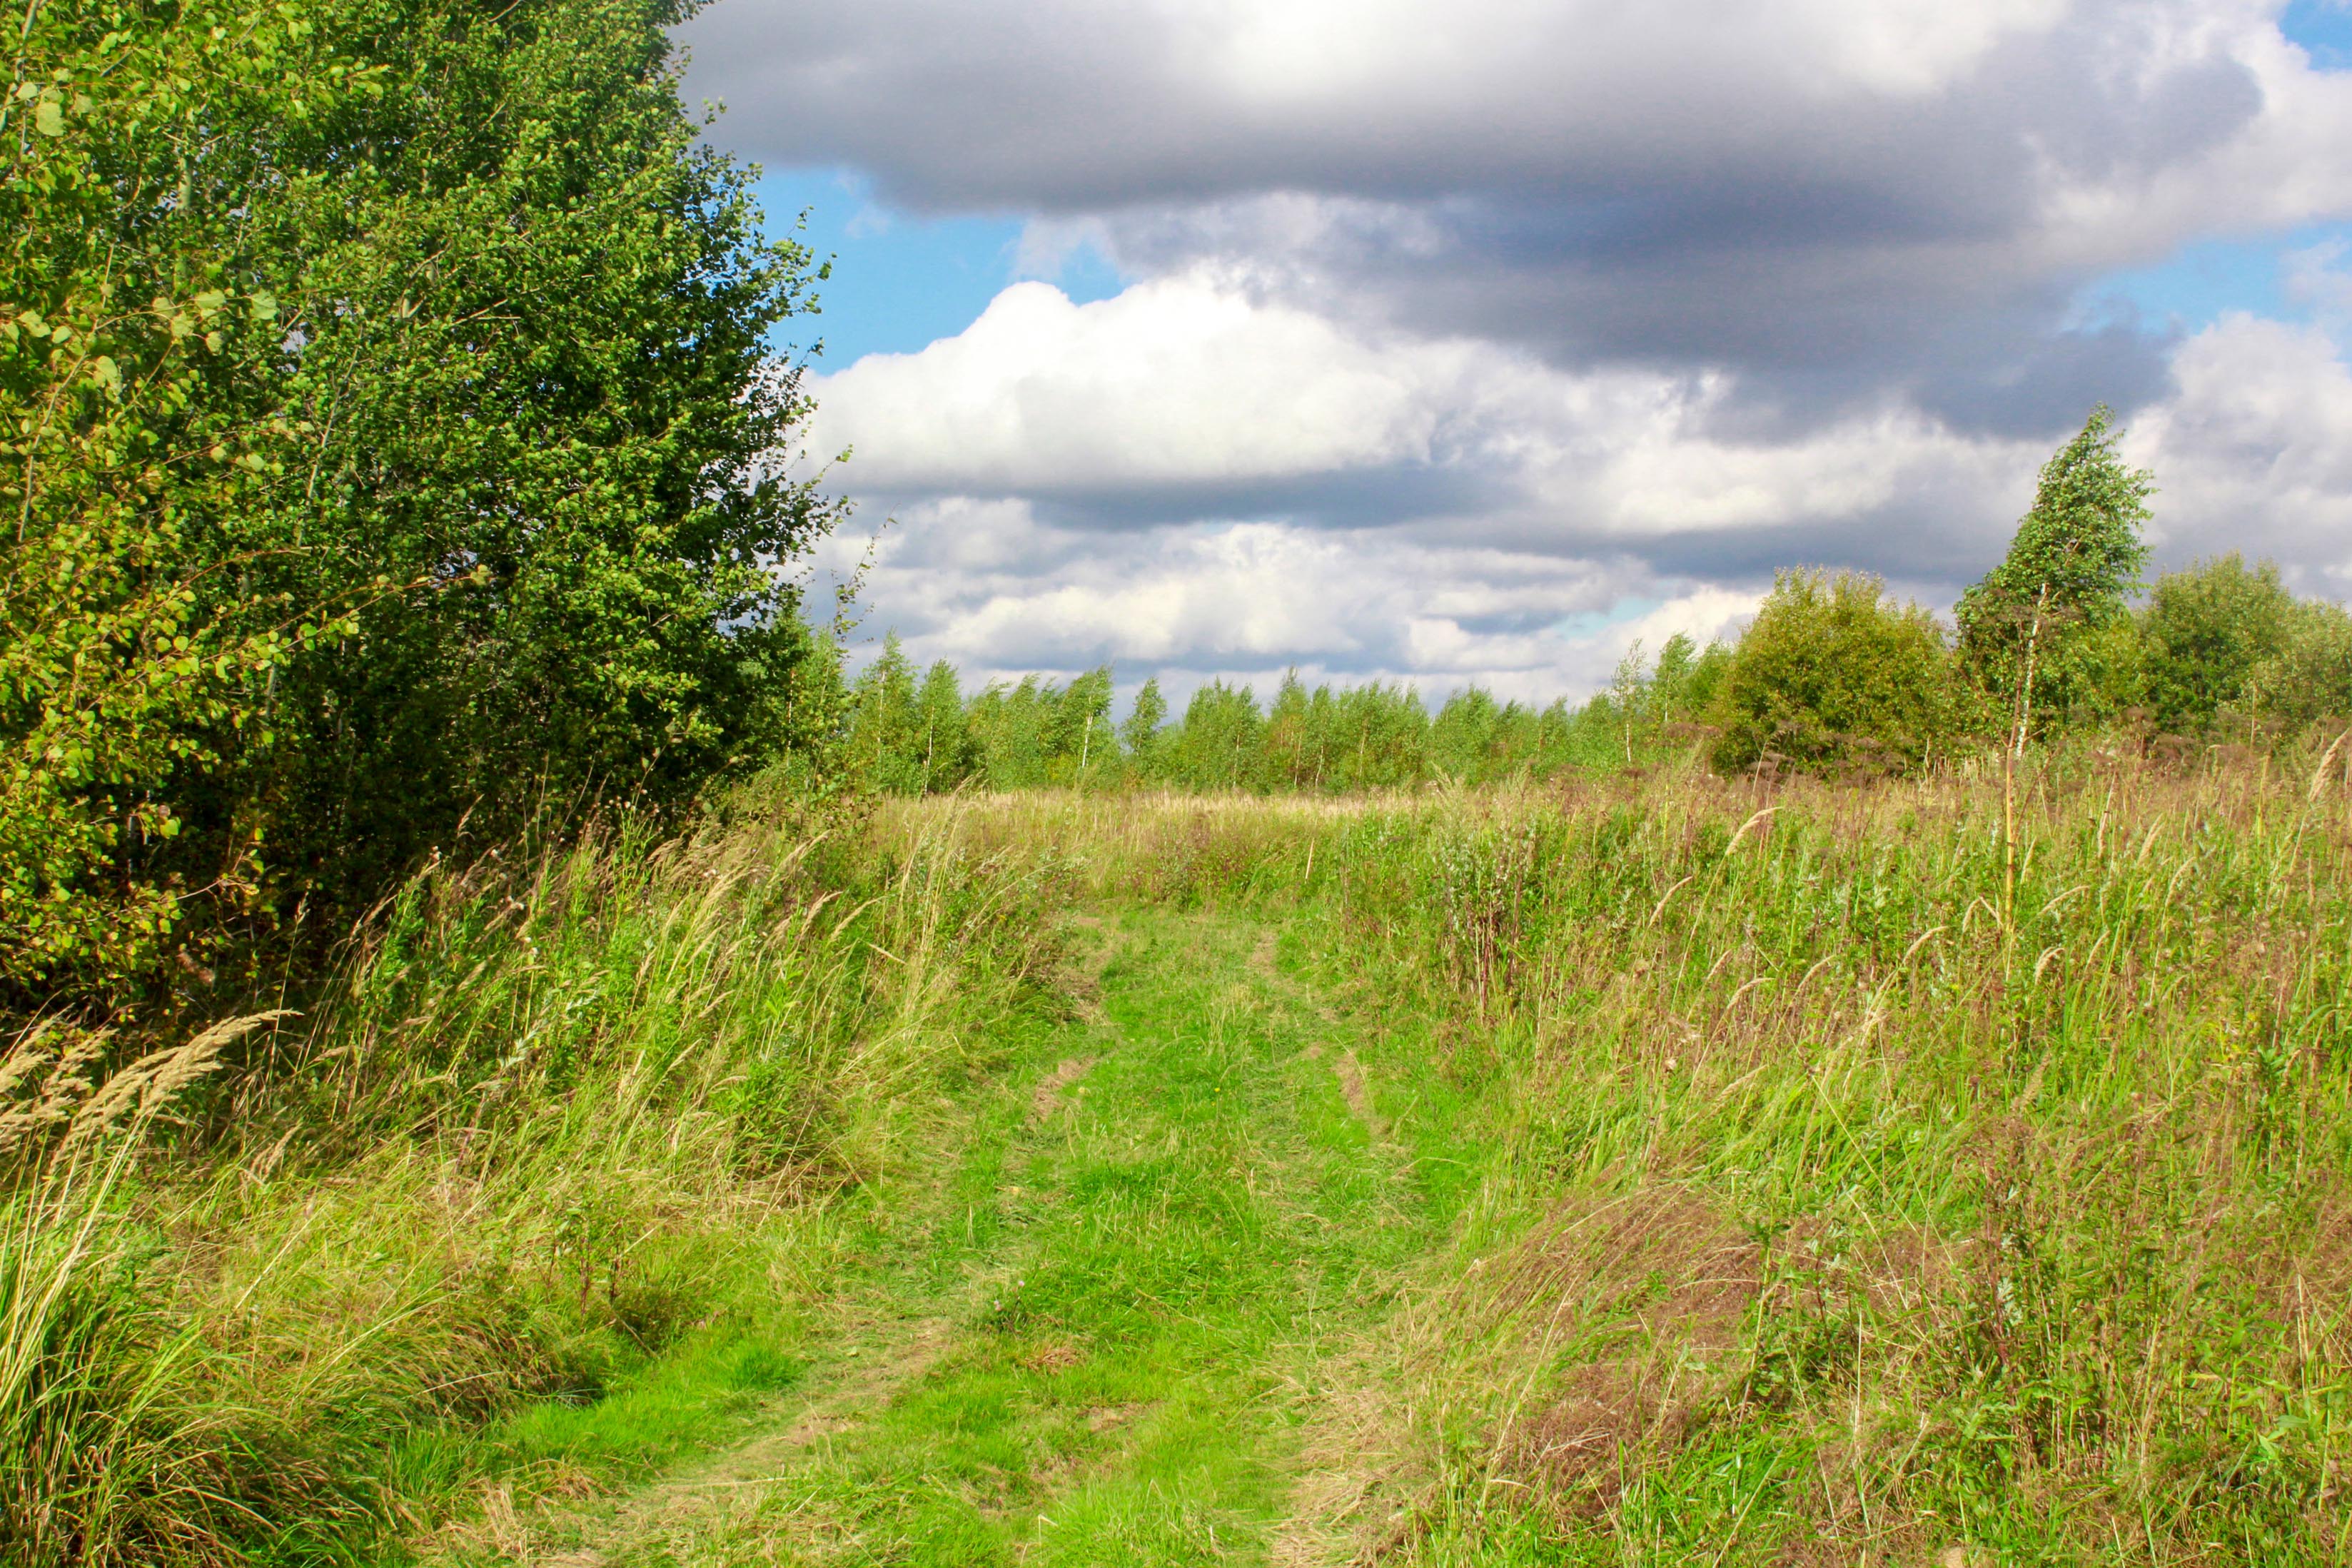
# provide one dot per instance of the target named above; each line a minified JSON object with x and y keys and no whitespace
{"x":1097,"y":1340}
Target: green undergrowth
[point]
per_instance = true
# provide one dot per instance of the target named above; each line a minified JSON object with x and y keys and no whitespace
{"x":1834,"y":1174}
{"x":576,"y":1132}
{"x":1656,"y":1171}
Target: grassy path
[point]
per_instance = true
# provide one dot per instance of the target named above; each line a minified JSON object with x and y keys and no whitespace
{"x":1098,"y":1344}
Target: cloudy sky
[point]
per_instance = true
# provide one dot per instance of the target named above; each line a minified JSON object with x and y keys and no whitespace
{"x":1468,"y":341}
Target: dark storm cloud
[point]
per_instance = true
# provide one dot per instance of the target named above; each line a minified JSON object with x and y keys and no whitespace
{"x":1683,"y":187}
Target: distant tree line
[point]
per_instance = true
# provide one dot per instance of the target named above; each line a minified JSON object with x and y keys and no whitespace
{"x":1831,"y":676}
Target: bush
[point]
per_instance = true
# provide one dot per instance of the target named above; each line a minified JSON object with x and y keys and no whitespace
{"x":2204,"y":633}
{"x":1834,"y":675}
{"x":2309,"y":680}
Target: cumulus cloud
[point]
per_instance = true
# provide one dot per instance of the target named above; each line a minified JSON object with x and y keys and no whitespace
{"x":2251,"y":453}
{"x":1183,"y":400}
{"x":1251,"y":600}
{"x":1836,"y":200}
{"x":1178,"y":478}
{"x":1470,"y":340}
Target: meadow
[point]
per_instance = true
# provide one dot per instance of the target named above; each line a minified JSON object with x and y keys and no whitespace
{"x":1648,"y":1168}
{"x":511,"y":1052}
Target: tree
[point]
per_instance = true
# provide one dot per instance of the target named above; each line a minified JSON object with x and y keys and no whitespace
{"x":1143,"y":731}
{"x":1832,"y":672}
{"x":1221,"y":741}
{"x":139,"y":415}
{"x":2204,"y":633}
{"x":885,"y":747}
{"x":392,"y":417}
{"x":2072,"y":564}
{"x":535,"y":318}
{"x":1467,"y":734}
{"x":946,"y":737}
{"x":1629,"y":693}
{"x":1082,"y":742}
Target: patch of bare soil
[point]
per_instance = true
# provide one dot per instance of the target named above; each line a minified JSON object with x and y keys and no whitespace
{"x":1359,"y":1097}
{"x":1048,"y":1097}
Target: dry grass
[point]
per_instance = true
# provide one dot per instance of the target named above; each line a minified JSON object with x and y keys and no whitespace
{"x":1952,"y":1192}
{"x":544,"y":1127}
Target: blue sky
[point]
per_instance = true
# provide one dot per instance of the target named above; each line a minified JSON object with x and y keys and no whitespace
{"x":2324,"y":28}
{"x":2197,"y":284}
{"x":902,"y":280}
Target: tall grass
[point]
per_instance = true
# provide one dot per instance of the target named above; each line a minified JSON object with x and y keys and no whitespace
{"x":1833,"y":1174}
{"x":533,"y":1136}
{"x":1863,"y":1174}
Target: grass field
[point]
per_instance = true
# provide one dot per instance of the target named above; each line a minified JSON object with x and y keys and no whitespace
{"x":1649,"y":1171}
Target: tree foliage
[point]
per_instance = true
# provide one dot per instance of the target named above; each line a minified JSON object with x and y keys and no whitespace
{"x":138,"y":352}
{"x":1832,"y":672}
{"x":2070,"y":569}
{"x":391,"y":419}
{"x":2204,"y":633}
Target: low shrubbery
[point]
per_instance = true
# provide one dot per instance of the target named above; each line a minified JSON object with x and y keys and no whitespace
{"x":1831,"y":674}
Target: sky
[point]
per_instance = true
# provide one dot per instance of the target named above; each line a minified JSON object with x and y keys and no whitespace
{"x":1473,"y":342}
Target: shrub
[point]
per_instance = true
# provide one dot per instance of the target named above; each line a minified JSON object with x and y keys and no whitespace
{"x":2308,"y":679}
{"x":2204,"y":633}
{"x":1833,"y":673}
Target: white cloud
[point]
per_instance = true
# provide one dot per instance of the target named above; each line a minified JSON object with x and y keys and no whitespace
{"x":1170,"y":381}
{"x":2251,"y":450}
{"x":1056,"y":473}
{"x":1200,"y":396}
{"x":1251,"y":600}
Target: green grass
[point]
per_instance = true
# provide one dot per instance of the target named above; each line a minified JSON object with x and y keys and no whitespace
{"x":1629,"y":1175}
{"x":1092,"y":1342}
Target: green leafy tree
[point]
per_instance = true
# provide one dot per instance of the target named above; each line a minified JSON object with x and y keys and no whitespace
{"x":885,"y":742}
{"x":391,"y":421}
{"x":1380,"y":737}
{"x":1144,"y":732}
{"x":1010,"y":729}
{"x":534,"y":320}
{"x":946,"y":736}
{"x":1221,"y":741}
{"x":1082,"y":744}
{"x":2308,"y":681}
{"x":1469,"y":739}
{"x":2204,"y":633}
{"x":141,"y":416}
{"x":2070,"y":569}
{"x":1687,"y":678}
{"x":1832,"y":673}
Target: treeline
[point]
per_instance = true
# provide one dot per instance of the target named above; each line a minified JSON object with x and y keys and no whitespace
{"x":1831,"y":676}
{"x":908,"y":733}
{"x":387,"y":404}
